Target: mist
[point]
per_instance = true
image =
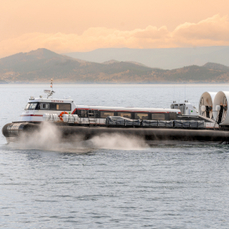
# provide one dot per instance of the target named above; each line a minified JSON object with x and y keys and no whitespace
{"x":118,"y":141}
{"x":49,"y":138}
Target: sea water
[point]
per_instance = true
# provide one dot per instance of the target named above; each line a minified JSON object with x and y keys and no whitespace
{"x":111,"y":181}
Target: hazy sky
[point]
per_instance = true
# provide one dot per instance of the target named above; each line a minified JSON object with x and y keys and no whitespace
{"x":84,"y":25}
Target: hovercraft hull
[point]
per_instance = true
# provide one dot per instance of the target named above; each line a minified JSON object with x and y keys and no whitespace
{"x":13,"y":131}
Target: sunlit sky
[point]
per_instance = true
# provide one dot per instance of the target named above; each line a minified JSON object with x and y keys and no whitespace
{"x":84,"y":25}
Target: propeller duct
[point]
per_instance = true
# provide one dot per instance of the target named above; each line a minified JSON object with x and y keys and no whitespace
{"x":206,"y":104}
{"x":220,"y":108}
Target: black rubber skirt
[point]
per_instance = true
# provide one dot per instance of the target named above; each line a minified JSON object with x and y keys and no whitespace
{"x":152,"y":134}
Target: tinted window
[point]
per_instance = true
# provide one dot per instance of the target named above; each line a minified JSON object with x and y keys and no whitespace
{"x":143,"y":116}
{"x":172,"y":116}
{"x":83,"y":113}
{"x":63,"y":106}
{"x":27,"y":106}
{"x":93,"y":113}
{"x":31,"y":106}
{"x":52,"y":106}
{"x":49,"y":106}
{"x":124,"y":114}
{"x":44,"y":106}
{"x":158,"y":116}
{"x":104,"y":114}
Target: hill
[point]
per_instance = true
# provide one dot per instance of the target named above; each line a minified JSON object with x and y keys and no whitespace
{"x":165,"y":58}
{"x":41,"y":65}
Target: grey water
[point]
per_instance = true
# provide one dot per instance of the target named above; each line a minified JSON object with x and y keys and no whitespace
{"x":107,"y":184}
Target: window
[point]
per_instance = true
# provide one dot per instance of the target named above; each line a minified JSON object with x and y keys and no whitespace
{"x":143,"y":116}
{"x":124,"y":114}
{"x":27,"y":106}
{"x":52,"y":106}
{"x":31,"y":106}
{"x":63,"y":106}
{"x":158,"y":116}
{"x":93,"y":113}
{"x":83,"y":113}
{"x":104,"y":114}
{"x":172,"y":116}
{"x":49,"y":106}
{"x":44,"y":106}
{"x":182,"y":108}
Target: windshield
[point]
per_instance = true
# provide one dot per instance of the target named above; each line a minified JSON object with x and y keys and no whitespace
{"x":31,"y":106}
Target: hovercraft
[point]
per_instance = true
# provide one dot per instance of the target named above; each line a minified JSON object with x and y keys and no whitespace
{"x":180,"y":122}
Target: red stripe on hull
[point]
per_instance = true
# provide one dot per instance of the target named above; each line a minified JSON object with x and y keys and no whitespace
{"x":32,"y":115}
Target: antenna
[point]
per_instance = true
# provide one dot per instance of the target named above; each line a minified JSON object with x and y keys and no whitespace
{"x":51,"y":84}
{"x":50,"y":92}
{"x":185,"y":92}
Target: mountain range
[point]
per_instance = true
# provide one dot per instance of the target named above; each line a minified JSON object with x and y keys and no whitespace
{"x":41,"y":65}
{"x":164,"y":58}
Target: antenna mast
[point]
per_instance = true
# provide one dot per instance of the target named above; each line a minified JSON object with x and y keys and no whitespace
{"x":50,"y":92}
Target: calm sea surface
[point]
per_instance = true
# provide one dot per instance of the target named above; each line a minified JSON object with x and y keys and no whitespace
{"x":113,"y":182}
